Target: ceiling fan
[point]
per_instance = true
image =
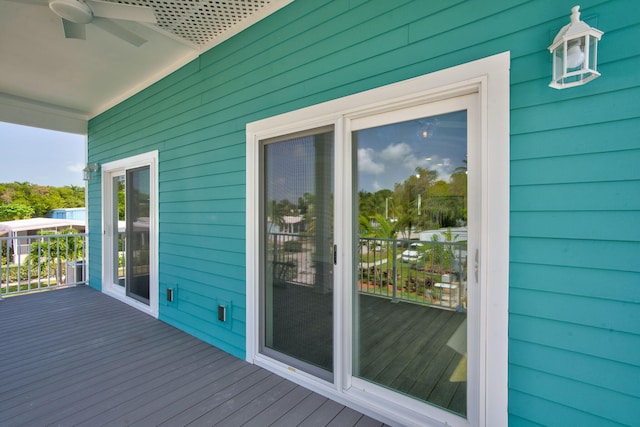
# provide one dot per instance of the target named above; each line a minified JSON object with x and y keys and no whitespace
{"x":75,"y":14}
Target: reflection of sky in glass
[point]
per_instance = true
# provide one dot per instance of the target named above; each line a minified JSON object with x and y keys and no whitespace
{"x":390,"y":154}
{"x":290,"y":169}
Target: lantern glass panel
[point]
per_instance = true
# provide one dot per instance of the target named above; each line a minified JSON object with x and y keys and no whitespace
{"x":558,"y":62}
{"x":593,"y":53}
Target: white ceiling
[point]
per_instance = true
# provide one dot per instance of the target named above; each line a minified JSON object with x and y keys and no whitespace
{"x":56,"y":83}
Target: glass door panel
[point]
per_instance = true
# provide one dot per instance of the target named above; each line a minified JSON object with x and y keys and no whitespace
{"x":119,"y":229}
{"x":137,"y":233}
{"x":297,"y":251}
{"x":410,"y":293}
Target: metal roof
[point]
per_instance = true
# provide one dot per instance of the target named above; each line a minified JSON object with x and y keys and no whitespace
{"x":12,"y":227}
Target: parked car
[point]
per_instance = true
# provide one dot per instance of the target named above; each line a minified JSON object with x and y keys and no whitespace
{"x":414,"y":253}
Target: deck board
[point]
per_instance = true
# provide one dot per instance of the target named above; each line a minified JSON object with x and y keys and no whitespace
{"x":304,"y":409}
{"x":244,"y":402}
{"x":77,"y":357}
{"x":324,"y":415}
{"x":346,"y":416}
{"x":208,"y":391}
{"x":278,"y":405}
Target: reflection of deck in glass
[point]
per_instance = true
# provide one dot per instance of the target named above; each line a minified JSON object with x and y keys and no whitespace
{"x":408,"y":348}
{"x":405,"y":347}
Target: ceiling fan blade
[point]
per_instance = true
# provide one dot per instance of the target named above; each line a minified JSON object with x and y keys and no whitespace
{"x":125,"y":12}
{"x":119,"y":31}
{"x":73,"y":30}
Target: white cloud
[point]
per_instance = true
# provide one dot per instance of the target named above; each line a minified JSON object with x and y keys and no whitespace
{"x":396,"y":152}
{"x":366,"y":162}
{"x":402,"y":155}
{"x":441,"y":165}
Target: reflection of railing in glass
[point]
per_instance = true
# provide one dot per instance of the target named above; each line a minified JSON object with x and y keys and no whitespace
{"x":292,"y":258}
{"x":423,"y":272}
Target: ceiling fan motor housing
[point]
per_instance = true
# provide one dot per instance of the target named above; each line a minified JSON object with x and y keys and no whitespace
{"x":72,"y":10}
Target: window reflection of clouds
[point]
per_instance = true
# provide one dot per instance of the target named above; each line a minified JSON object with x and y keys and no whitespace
{"x":366,"y":162}
{"x":390,"y":154}
{"x":396,"y":152}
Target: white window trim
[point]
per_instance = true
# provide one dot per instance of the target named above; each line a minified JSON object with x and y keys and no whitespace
{"x":489,"y":78}
{"x":116,"y":167}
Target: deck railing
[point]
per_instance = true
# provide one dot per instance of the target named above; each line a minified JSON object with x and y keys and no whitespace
{"x":40,"y":262}
{"x":433,"y":274}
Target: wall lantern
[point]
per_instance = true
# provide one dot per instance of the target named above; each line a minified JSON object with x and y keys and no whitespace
{"x":89,"y":170}
{"x":575,"y":53}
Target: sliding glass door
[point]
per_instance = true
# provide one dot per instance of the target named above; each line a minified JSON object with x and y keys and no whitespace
{"x":130,"y":246}
{"x":379,"y":274}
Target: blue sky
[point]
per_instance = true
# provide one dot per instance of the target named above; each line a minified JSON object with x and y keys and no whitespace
{"x":41,"y":156}
{"x":386,"y":155}
{"x":389,"y":154}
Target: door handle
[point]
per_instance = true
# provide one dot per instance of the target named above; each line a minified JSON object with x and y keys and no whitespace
{"x":476,"y":264}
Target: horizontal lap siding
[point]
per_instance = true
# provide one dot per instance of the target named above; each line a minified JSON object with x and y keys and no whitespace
{"x":196,"y":119}
{"x":575,"y":245}
{"x":574,"y":272}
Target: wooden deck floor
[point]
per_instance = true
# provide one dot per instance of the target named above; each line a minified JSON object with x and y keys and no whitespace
{"x":78,"y":357}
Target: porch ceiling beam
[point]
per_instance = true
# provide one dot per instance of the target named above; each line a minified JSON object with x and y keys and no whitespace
{"x":28,"y":112}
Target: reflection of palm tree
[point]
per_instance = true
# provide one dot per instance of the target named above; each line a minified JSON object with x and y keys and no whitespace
{"x":366,"y":229}
{"x":277,"y":217}
{"x":405,"y":219}
{"x":384,"y":229}
{"x":310,"y":221}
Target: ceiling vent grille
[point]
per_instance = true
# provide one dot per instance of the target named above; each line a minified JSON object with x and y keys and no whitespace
{"x":199,"y":21}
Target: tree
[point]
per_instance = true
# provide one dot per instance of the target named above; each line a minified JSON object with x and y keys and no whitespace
{"x":40,"y":199}
{"x":372,"y":204}
{"x":458,"y":187}
{"x":15,"y":211}
{"x":64,"y":247}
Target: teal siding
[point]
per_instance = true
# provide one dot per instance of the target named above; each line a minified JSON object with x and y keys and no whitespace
{"x":575,"y":186}
{"x":574,"y":344}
